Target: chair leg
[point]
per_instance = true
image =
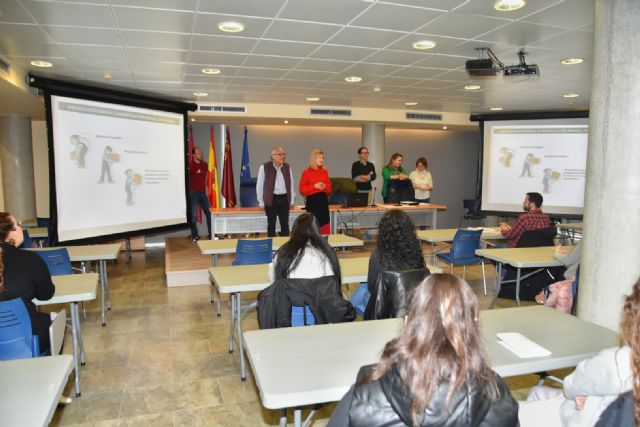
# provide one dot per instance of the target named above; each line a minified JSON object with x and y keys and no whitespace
{"x":464,"y":272}
{"x":484,"y":280}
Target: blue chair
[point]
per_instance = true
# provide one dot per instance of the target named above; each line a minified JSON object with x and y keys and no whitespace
{"x":471,"y":211}
{"x":302,"y":316}
{"x":57,"y":260}
{"x":16,"y":338}
{"x":27,"y":239}
{"x":253,"y":251}
{"x":463,"y":252}
{"x":360,"y":298}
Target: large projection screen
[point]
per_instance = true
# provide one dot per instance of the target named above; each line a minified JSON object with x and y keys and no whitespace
{"x":544,"y":156}
{"x":117,"y":168}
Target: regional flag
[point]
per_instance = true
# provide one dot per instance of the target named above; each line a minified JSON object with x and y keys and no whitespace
{"x":228,"y":186}
{"x":245,"y":171}
{"x":212,"y":177}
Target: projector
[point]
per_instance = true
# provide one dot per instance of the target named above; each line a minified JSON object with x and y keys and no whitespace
{"x":530,"y":71}
{"x":480,"y":68}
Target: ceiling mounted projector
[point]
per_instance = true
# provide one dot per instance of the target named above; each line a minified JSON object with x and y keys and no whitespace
{"x":491,"y":66}
{"x":481,"y":68}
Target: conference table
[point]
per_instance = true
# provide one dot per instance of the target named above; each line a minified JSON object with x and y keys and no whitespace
{"x":519,"y":258}
{"x":254,"y":220}
{"x":295,"y":367}
{"x":234,"y":280}
{"x":447,"y":235}
{"x":32,"y":389}
{"x":228,"y":246}
{"x":570,"y":228}
{"x":73,"y":289}
{"x":101,"y":254}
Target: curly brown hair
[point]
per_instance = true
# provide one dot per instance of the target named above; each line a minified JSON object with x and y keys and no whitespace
{"x":6,"y":225}
{"x":630,"y":334}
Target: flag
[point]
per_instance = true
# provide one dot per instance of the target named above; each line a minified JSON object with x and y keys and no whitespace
{"x":212,"y":177}
{"x":245,"y":170}
{"x":192,"y":145}
{"x":228,"y":187}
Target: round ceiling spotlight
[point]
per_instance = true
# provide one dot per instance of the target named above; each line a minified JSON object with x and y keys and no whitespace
{"x":200,"y":94}
{"x":210,"y":71}
{"x":571,"y":95}
{"x":353,"y":79}
{"x":424,"y":44}
{"x":377,"y":89}
{"x":231,"y":27}
{"x":410,"y":103}
{"x":572,"y":61}
{"x":509,"y":5}
{"x":496,"y":108}
{"x":472,"y":87}
{"x":42,"y":64}
{"x":286,"y":122}
{"x":444,"y":128}
{"x":313,"y":98}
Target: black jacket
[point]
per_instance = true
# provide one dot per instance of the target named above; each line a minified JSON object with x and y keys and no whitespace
{"x":391,"y":294}
{"x":26,"y":276}
{"x":386,"y":402}
{"x":620,"y":412}
{"x":322,"y":295}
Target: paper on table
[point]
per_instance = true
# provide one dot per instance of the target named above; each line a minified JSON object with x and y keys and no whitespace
{"x":521,"y":346}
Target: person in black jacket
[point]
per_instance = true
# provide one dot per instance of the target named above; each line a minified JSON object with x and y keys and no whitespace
{"x":23,"y":274}
{"x":435,"y":372}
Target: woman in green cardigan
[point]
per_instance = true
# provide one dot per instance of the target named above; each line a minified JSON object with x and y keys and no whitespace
{"x":392,"y":171}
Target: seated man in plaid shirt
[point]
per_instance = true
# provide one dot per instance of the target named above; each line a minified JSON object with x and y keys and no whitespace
{"x":532,"y":219}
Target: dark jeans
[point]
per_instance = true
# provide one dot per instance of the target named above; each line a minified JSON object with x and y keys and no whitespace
{"x":280,"y":209}
{"x":198,"y":200}
{"x":422,"y":200}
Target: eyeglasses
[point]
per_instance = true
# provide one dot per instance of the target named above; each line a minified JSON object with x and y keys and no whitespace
{"x":279,"y":154}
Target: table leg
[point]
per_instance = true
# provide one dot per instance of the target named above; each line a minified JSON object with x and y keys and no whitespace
{"x":232,"y":300}
{"x":243,"y":369}
{"x":101,"y":297}
{"x":297,"y":417}
{"x":74,"y":332}
{"x":518,"y":287}
{"x":79,"y":332}
{"x":283,"y":417}
{"x":434,"y":217}
{"x":497,"y":283}
{"x":103,"y":266}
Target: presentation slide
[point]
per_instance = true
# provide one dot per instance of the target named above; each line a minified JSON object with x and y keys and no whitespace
{"x":117,"y":168}
{"x":544,"y":156}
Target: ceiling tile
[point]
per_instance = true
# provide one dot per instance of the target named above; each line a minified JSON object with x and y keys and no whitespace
{"x":456,"y":75}
{"x":208,"y":24}
{"x":393,"y":17}
{"x":365,"y":37}
{"x":485,"y":7}
{"x":154,"y":20}
{"x":323,"y":65}
{"x":443,"y":61}
{"x":261,"y":72}
{"x":101,"y":65}
{"x":207,"y":80}
{"x":252,"y":81}
{"x":294,"y":83}
{"x":432,"y":4}
{"x":392,"y":81}
{"x":442,"y":44}
{"x":135,"y":55}
{"x":188,"y":5}
{"x":12,"y":11}
{"x":462,"y":25}
{"x":331,"y":11}
{"x":222,"y":44}
{"x":342,"y":53}
{"x":300,"y":31}
{"x":215,"y":58}
{"x":224,"y":71}
{"x":568,"y":14}
{"x":284,"y":48}
{"x":417,"y":72}
{"x":155,"y":40}
{"x":93,"y":52}
{"x":18,"y":39}
{"x":578,"y":42}
{"x":76,"y":14}
{"x":394,"y":57}
{"x":98,"y":75}
{"x":317,"y":76}
{"x":263,"y":61}
{"x":98,"y":36}
{"x":266,"y":8}
{"x":364,"y":69}
{"x":521,"y":34}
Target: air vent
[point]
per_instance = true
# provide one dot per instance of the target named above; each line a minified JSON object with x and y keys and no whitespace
{"x":422,"y":116}
{"x":223,"y":108}
{"x":4,"y":66}
{"x":329,"y":112}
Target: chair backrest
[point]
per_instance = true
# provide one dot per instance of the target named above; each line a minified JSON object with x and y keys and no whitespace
{"x":16,"y":338}
{"x":42,"y":221}
{"x":27,"y":239}
{"x":392,"y":292}
{"x":470,"y":205}
{"x":253,"y":251}
{"x":465,"y":243}
{"x":535,"y":238}
{"x":57,"y":260}
{"x":248,"y":197}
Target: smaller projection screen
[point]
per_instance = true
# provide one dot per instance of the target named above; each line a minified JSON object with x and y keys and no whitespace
{"x":544,"y":156}
{"x":117,"y":168}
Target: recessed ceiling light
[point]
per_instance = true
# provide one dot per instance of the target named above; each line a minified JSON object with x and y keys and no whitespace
{"x":508,"y":5}
{"x":231,"y":27}
{"x":472,"y":87}
{"x":210,"y":71}
{"x":496,"y":108}
{"x":193,"y":120}
{"x":353,"y":79}
{"x":377,"y":89}
{"x":424,"y":44}
{"x":313,"y":98}
{"x":200,"y":94}
{"x":42,"y":64}
{"x":286,"y":122}
{"x":571,"y":95}
{"x":410,"y":103}
{"x":444,"y":128}
{"x":572,"y":61}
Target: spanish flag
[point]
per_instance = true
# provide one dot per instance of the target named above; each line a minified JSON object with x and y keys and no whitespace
{"x":212,"y":177}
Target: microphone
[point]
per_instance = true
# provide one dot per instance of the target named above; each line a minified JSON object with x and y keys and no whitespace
{"x":373,"y":199}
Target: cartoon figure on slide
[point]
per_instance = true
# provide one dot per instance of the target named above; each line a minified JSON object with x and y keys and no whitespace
{"x":526,"y":165}
{"x":506,"y":156}
{"x":550,"y":176}
{"x":107,"y":158}
{"x":81,"y":146}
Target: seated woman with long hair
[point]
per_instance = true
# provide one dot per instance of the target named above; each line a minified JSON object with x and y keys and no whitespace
{"x":433,"y":374}
{"x":306,"y":255}
{"x":23,"y":274}
{"x":398,"y":247}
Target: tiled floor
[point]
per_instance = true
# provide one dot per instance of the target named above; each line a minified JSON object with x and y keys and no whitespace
{"x":163,"y":360}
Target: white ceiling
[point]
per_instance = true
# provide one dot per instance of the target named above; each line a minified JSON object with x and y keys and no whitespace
{"x":291,"y":49}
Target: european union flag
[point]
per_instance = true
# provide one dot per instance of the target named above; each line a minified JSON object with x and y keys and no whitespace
{"x":245,"y":170}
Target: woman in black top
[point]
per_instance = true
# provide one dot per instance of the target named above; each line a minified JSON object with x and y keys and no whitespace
{"x":23,"y":274}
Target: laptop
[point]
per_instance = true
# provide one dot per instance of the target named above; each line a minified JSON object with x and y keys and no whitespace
{"x":357,"y":200}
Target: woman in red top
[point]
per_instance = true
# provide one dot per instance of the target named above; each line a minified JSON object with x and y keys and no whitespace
{"x":316,"y":187}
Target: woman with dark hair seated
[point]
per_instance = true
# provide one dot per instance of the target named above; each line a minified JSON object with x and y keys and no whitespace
{"x":306,"y":255}
{"x":435,"y":373}
{"x":398,"y":247}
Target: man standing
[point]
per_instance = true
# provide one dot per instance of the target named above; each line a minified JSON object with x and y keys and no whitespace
{"x":198,"y":170}
{"x":274,"y":190}
{"x":532,"y":219}
{"x":363,"y":172}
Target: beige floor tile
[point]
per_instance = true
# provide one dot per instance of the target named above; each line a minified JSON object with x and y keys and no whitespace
{"x":90,"y":407}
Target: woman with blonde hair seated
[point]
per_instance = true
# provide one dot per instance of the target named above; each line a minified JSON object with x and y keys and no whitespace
{"x":435,"y":373}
